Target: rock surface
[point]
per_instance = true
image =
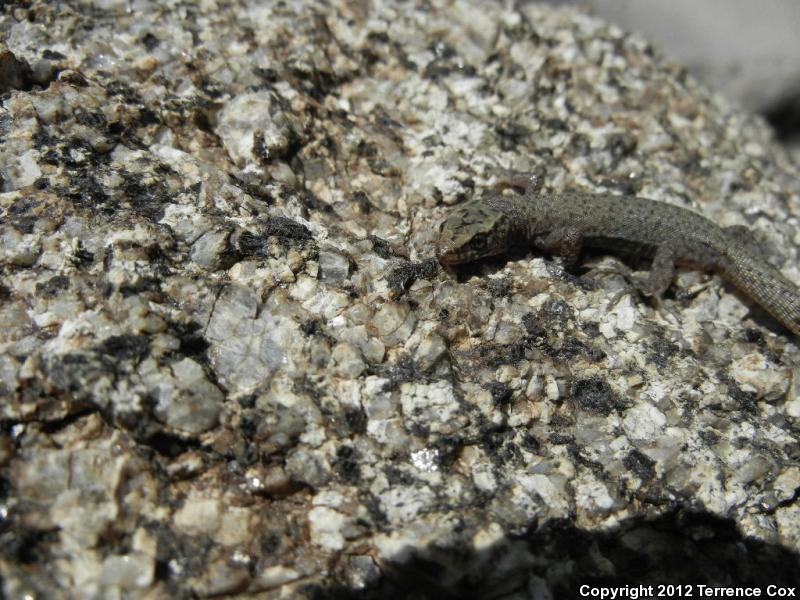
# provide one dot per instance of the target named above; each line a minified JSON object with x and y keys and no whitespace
{"x":229,"y":364}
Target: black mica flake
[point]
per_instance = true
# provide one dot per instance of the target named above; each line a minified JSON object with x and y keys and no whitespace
{"x":48,"y":54}
{"x":500,"y":288}
{"x":78,"y":154}
{"x":147,"y":199}
{"x":287,"y":229}
{"x":709,"y":437}
{"x":125,"y":347}
{"x":6,"y":488}
{"x":270,"y":543}
{"x":192,"y":342}
{"x":52,"y":287}
{"x":661,"y":351}
{"x":560,"y":439}
{"x":747,"y":401}
{"x":369,"y":57}
{"x":252,"y":245}
{"x":346,"y":464}
{"x":343,"y":423}
{"x":250,"y":420}
{"x":446,"y":61}
{"x":361,"y":200}
{"x":448,"y":449}
{"x":533,"y":326}
{"x":556,"y":346}
{"x":400,"y":372}
{"x":305,"y":386}
{"x":73,"y":78}
{"x":87,"y":192}
{"x":511,"y":135}
{"x":266,"y":74}
{"x":311,"y":202}
{"x":572,"y":347}
{"x":73,"y":152}
{"x":403,"y":277}
{"x":640,"y":464}
{"x":397,"y":477}
{"x":314,"y":82}
{"x":6,"y":123}
{"x":375,"y":510}
{"x":356,"y":421}
{"x":556,"y":312}
{"x":25,"y":224}
{"x":419,"y":430}
{"x":622,"y":145}
{"x":381,"y":247}
{"x":494,"y":436}
{"x":149,"y":41}
{"x":132,"y":99}
{"x":21,"y":207}
{"x":248,"y":401}
{"x":562,"y":421}
{"x":42,"y":183}
{"x":579,"y":145}
{"x":190,"y":552}
{"x":81,"y":257}
{"x":24,"y":546}
{"x":315,"y":328}
{"x":92,"y":119}
{"x":108,"y":259}
{"x":555,"y":124}
{"x":501,"y":393}
{"x":529,"y":442}
{"x":147,"y":117}
{"x":595,"y":395}
{"x":576,"y":453}
{"x":495,"y":355}
{"x":754,"y":336}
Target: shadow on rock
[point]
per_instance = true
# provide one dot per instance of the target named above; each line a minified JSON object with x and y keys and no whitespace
{"x":555,"y":560}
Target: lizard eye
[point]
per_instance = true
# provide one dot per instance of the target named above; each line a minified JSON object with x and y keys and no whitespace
{"x":479,"y":240}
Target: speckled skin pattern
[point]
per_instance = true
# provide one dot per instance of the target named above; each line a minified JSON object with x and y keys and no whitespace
{"x":564,"y":223}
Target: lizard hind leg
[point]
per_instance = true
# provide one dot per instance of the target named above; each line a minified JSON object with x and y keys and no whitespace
{"x":742,"y":235}
{"x":661,"y":275}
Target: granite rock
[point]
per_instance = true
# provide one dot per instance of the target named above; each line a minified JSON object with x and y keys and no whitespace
{"x":229,"y":363}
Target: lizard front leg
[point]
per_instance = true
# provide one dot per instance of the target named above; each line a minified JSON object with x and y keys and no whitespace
{"x":565,"y":242}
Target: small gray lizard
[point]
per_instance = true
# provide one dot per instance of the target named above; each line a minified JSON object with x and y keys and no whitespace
{"x":562,"y":224}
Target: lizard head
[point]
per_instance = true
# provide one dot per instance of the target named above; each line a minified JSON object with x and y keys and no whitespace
{"x":472,"y":231}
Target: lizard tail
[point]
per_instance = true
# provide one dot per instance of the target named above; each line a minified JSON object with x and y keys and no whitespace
{"x":766,"y":285}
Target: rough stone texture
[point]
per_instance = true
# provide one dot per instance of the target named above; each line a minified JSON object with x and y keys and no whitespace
{"x":744,"y":49}
{"x":229,"y":366}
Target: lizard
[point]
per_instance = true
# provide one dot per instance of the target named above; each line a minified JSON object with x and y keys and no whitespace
{"x":562,"y":224}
